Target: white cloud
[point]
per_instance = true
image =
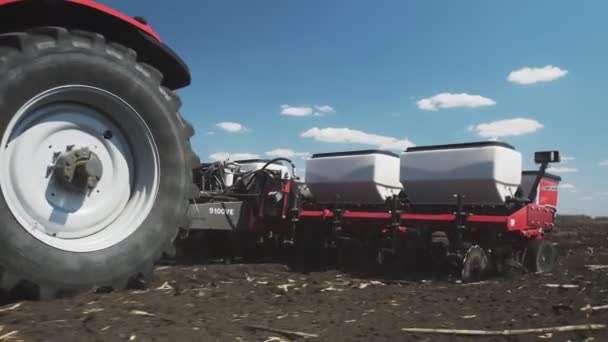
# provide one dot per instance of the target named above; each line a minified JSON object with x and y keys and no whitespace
{"x":232,"y":127}
{"x":586,"y":198}
{"x":567,"y":186}
{"x":317,"y":110}
{"x":296,"y":110}
{"x":565,"y":159}
{"x":505,"y":128}
{"x":325,"y":109}
{"x":449,"y":100}
{"x":286,"y":153}
{"x":347,"y":135}
{"x":233,"y":156}
{"x":529,"y":75}
{"x":604,"y":163}
{"x":561,"y":169}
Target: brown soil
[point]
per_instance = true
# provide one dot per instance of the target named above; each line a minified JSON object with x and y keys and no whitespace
{"x":214,"y":302}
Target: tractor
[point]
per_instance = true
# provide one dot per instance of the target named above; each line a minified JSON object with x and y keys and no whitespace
{"x":98,"y":178}
{"x":96,"y":160}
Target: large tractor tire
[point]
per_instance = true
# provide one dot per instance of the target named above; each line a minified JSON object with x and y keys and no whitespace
{"x":95,"y":165}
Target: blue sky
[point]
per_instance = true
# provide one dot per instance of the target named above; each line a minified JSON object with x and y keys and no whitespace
{"x":393,"y":73}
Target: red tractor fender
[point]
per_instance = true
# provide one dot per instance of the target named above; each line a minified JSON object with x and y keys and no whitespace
{"x":142,"y":26}
{"x":135,"y":33}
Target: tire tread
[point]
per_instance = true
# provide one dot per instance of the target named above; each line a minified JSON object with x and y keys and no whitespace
{"x":12,"y":47}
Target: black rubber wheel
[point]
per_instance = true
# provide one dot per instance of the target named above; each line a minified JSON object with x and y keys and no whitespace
{"x":47,"y":58}
{"x":474,"y":265}
{"x":540,"y":256}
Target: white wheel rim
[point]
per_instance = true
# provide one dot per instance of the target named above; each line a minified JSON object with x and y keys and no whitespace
{"x":126,"y":192}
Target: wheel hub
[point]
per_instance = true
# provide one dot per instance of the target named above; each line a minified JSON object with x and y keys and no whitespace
{"x":84,"y":197}
{"x":77,"y":170}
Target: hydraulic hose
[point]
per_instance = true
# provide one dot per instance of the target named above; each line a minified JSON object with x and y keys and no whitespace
{"x":293,"y":168}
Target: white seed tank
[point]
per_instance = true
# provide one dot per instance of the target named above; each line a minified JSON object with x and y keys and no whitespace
{"x":257,"y":164}
{"x":356,"y":177}
{"x":486,"y":173}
